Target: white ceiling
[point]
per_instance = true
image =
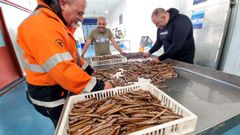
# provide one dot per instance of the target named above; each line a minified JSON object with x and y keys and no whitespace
{"x":97,"y":8}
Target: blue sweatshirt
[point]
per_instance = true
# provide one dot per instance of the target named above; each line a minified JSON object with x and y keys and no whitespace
{"x":176,"y":38}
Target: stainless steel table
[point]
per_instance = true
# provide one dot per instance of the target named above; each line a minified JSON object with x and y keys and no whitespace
{"x":212,"y":95}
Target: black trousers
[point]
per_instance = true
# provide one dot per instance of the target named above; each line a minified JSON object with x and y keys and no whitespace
{"x":47,"y":94}
{"x":52,"y":113}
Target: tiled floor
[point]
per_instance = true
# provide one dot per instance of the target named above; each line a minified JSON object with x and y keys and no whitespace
{"x":18,"y":117}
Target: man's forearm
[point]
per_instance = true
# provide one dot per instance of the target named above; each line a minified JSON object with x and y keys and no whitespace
{"x":115,"y":44}
{"x":155,"y":47}
{"x":85,"y":47}
{"x":119,"y":49}
{"x":84,"y":51}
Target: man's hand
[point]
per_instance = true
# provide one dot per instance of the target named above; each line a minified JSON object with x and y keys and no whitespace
{"x":122,"y":53}
{"x":146,"y":55}
{"x":107,"y":85}
{"x":82,"y":56}
{"x":155,"y":61}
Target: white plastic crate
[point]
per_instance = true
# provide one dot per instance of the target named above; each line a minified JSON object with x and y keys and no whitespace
{"x":121,"y":59}
{"x":185,"y":125}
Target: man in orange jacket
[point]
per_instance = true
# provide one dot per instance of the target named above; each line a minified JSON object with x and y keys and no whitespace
{"x":52,"y":64}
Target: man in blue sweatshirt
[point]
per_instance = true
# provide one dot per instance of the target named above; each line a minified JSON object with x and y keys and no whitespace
{"x":175,"y":33}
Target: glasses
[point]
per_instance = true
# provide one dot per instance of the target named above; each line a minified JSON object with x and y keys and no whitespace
{"x":80,"y":13}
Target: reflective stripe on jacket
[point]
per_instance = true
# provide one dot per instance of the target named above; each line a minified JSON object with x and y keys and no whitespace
{"x":49,"y":104}
{"x":46,"y":96}
{"x":50,"y":53}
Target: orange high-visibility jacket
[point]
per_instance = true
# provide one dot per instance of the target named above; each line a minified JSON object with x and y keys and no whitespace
{"x":50,"y":53}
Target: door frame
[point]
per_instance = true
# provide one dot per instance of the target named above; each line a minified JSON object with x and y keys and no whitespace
{"x":9,"y":44}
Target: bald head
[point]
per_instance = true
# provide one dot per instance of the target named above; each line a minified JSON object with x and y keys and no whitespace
{"x":101,"y":24}
{"x":102,"y":19}
{"x":158,"y":11}
{"x":160,"y":17}
{"x":72,"y":1}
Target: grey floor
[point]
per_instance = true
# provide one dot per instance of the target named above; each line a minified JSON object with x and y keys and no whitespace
{"x":18,"y":117}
